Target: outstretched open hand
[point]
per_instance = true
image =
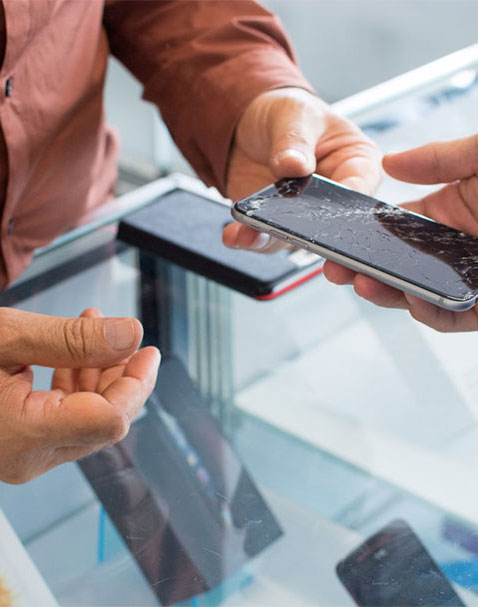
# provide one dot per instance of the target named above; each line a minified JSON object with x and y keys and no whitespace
{"x":100,"y":383}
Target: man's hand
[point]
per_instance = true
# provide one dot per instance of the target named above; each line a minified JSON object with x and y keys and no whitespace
{"x":100,"y":383}
{"x":291,"y":133}
{"x":456,"y":205}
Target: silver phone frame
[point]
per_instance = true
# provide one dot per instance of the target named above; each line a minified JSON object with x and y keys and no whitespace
{"x":454,"y":305}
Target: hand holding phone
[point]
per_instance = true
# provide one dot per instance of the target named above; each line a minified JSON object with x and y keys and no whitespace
{"x":456,"y":204}
{"x":404,"y":250}
{"x":290,"y":132}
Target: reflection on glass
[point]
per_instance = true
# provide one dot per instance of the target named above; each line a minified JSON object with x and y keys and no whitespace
{"x":393,"y":569}
{"x":182,"y":501}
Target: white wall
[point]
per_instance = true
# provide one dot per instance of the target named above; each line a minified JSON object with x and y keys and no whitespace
{"x":344,"y":46}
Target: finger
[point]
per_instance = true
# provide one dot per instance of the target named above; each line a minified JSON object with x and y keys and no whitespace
{"x":452,"y":205}
{"x":72,"y":454}
{"x":87,"y":418}
{"x":368,"y":288}
{"x":15,"y":386}
{"x":436,"y":162}
{"x":359,"y":173}
{"x":82,"y":422}
{"x":379,"y":293}
{"x":238,"y":236}
{"x":131,"y":390}
{"x":294,"y":131}
{"x":60,"y":420}
{"x":50,"y":341}
{"x":349,"y":157}
{"x":88,"y":378}
{"x":109,"y":376}
{"x":440,"y":319}
{"x":65,"y":380}
{"x":339,"y":275}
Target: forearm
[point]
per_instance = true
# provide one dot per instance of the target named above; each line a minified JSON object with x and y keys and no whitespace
{"x":202,"y":63}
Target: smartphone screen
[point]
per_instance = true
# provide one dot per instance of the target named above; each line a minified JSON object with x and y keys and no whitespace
{"x":382,"y":236}
{"x":393,"y":569}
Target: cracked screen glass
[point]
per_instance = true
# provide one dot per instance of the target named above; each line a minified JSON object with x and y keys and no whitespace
{"x":386,"y":237}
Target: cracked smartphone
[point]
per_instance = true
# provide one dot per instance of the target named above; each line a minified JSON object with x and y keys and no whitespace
{"x":393,"y":569}
{"x":402,"y":249}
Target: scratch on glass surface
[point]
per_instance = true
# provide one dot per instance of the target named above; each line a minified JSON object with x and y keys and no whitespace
{"x":253,"y":522}
{"x":161,"y":581}
{"x":223,"y":497}
{"x":213,"y":552}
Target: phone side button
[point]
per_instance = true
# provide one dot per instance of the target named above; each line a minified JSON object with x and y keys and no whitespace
{"x":278,"y":235}
{"x":298,"y":243}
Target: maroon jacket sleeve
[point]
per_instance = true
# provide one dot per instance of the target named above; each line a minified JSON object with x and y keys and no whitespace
{"x":202,"y":62}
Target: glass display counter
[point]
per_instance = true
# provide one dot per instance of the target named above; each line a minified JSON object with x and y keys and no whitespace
{"x":310,"y":450}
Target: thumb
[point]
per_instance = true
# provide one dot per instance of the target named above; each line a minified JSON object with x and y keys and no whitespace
{"x":441,"y":162}
{"x":49,"y":341}
{"x":294,"y":138}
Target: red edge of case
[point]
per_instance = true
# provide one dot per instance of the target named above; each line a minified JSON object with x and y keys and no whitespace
{"x":289,"y":287}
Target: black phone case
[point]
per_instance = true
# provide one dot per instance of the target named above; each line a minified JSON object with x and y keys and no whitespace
{"x":186,"y":229}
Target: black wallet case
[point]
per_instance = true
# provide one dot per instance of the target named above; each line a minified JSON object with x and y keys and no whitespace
{"x":186,"y":229}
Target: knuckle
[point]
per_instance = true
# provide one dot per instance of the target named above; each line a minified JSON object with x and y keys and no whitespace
{"x":293,"y":135}
{"x":77,"y":339}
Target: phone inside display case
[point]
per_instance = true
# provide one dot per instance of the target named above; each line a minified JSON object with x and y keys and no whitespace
{"x":393,"y":569}
{"x":185,"y":506}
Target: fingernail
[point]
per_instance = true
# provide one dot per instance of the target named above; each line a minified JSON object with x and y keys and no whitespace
{"x":291,"y":153}
{"x":260,"y":242}
{"x":120,"y":334}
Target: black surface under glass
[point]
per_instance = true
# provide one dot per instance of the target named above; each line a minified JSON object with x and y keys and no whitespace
{"x":179,"y":496}
{"x":383,"y":236}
